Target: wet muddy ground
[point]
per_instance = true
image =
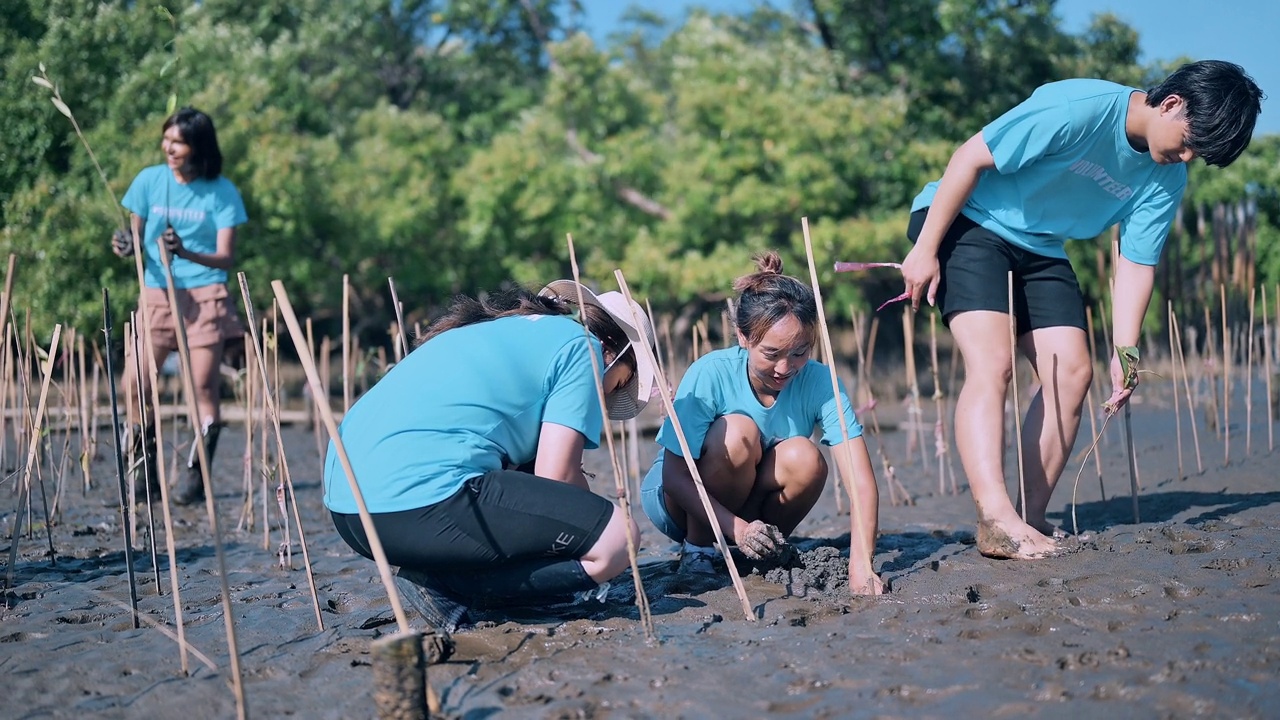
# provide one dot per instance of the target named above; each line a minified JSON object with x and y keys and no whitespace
{"x":1175,"y":616}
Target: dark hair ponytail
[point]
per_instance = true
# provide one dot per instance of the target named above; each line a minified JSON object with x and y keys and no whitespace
{"x":767,"y":296}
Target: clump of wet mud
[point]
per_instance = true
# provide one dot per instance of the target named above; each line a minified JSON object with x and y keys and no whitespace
{"x":815,"y":570}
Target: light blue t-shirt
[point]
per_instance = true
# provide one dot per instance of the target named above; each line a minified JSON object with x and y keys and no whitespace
{"x":466,"y":402}
{"x":716,"y":385}
{"x":197,"y":211}
{"x":1065,"y":169}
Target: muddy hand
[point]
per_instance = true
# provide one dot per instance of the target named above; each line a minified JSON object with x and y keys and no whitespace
{"x":762,"y":541}
{"x":1124,"y":378}
{"x":122,"y":243}
{"x":864,"y":581}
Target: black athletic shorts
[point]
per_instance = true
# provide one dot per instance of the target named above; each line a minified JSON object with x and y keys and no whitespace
{"x":975,"y":266}
{"x":498,"y":517}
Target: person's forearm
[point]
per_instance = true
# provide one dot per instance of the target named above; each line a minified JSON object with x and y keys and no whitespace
{"x":864,"y":519}
{"x":212,"y":260}
{"x":958,"y":182}
{"x":1129,"y":301}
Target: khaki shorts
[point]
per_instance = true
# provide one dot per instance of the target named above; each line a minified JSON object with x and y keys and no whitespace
{"x":208,"y":314}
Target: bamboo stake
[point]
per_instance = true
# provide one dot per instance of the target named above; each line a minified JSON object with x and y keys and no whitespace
{"x":116,"y":433}
{"x":346,"y":343}
{"x":66,"y":392}
{"x":265,"y":467}
{"x":270,"y":339}
{"x":891,"y":476}
{"x":86,"y":418}
{"x":665,"y":391}
{"x":941,"y":447}
{"x":154,"y":375}
{"x":913,"y":384}
{"x":856,"y":539}
{"x":1017,"y":407}
{"x":1248,"y":382}
{"x":1211,"y":414}
{"x":1186,"y":384}
{"x":326,"y":416}
{"x":270,"y":401}
{"x":162,"y":478}
{"x":1133,"y":462}
{"x":1177,"y":412}
{"x":7,"y":381}
{"x":318,"y":426}
{"x":1226,"y":380}
{"x":24,"y":490}
{"x":202,"y":455}
{"x":5,"y":309}
{"x":246,"y":455}
{"x":1266,"y":370}
{"x":624,"y":497}
{"x":403,"y":344}
{"x":1107,"y":345}
{"x":1092,"y":412}
{"x":93,"y":400}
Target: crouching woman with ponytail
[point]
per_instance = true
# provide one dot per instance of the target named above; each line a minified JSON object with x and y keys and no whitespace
{"x":469,"y":452}
{"x":748,"y":413}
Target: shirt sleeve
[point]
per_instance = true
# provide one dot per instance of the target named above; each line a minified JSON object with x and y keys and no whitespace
{"x":697,"y":406}
{"x":135,"y":198}
{"x":230,"y":210}
{"x":1144,"y":231}
{"x":828,"y":414}
{"x":571,"y":397}
{"x":1036,"y":127}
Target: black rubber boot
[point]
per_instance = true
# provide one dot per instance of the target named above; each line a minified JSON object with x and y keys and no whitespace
{"x":142,"y":463}
{"x":190,"y":484}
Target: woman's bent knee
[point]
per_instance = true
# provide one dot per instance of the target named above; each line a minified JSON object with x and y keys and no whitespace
{"x":799,"y":457}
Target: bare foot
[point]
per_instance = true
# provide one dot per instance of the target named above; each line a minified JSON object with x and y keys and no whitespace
{"x":1014,"y":543}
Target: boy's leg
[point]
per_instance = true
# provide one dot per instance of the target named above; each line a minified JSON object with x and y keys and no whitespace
{"x":1053,"y":338}
{"x":1060,"y":356}
{"x":983,"y":338}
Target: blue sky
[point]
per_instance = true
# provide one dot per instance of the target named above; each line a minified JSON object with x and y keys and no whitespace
{"x":1237,"y":30}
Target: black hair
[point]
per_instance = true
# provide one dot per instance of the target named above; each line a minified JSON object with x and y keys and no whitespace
{"x":466,"y":310}
{"x":767,"y":296}
{"x":1222,"y":104}
{"x":198,"y":133}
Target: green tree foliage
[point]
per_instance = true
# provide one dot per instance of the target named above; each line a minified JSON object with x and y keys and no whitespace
{"x":454,"y":144}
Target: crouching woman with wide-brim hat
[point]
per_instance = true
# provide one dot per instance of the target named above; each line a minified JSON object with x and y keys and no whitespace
{"x":469,"y":452}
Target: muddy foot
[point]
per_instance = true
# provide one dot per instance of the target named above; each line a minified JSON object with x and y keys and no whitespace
{"x":1026,"y":543}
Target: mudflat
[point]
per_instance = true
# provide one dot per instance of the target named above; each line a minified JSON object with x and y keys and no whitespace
{"x":1174,"y":616}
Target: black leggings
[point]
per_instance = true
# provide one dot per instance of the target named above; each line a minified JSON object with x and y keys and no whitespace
{"x":505,"y":537}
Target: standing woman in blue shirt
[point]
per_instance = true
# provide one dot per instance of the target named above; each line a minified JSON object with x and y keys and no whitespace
{"x":1075,"y":158}
{"x":747,"y":413}
{"x":188,"y":205}
{"x":469,"y":452}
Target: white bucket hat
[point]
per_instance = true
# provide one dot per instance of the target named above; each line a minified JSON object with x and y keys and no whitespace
{"x":630,"y":399}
